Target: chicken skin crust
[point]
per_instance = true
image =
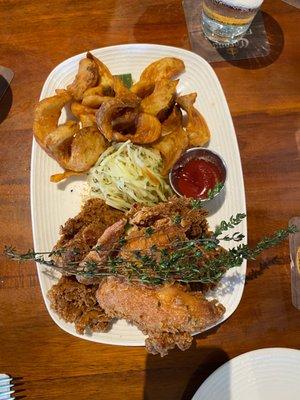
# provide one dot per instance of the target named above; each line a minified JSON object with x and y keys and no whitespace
{"x":168,"y":314}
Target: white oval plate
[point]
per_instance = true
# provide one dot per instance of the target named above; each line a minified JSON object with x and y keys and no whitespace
{"x":265,"y":374}
{"x":52,"y":204}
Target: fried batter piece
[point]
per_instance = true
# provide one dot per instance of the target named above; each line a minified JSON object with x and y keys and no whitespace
{"x":161,"y":101}
{"x":171,"y":147}
{"x":168,"y":314}
{"x":148,"y":130}
{"x":197,"y":129}
{"x":87,"y":77}
{"x":77,"y":303}
{"x":192,"y":221}
{"x":164,"y":68}
{"x":46,"y":115}
{"x":82,"y":232}
{"x":80,"y":150}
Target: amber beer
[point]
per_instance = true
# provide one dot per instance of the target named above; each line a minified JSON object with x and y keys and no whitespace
{"x":226,"y":21}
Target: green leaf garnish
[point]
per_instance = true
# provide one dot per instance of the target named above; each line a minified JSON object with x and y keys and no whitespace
{"x":126,"y":79}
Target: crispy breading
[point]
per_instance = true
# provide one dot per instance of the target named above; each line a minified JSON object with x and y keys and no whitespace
{"x":46,"y":115}
{"x":197,"y":129}
{"x":75,"y":302}
{"x":87,"y":77}
{"x":157,"y":311}
{"x":83,"y":231}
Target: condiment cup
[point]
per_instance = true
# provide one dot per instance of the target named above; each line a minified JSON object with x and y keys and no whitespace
{"x":198,"y":153}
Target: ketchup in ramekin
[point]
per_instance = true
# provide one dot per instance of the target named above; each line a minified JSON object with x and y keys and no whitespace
{"x":198,"y":173}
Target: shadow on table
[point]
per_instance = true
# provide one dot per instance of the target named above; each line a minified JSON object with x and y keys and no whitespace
{"x":6,"y":100}
{"x":275,"y":40}
{"x":178,"y":375}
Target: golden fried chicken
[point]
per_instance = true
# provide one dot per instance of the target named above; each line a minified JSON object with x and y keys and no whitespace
{"x":168,"y":314}
{"x":118,"y":251}
{"x":80,"y":234}
{"x":75,"y":302}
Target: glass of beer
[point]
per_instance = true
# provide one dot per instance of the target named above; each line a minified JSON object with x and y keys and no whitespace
{"x":226,"y":21}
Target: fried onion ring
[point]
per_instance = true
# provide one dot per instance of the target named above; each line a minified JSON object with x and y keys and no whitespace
{"x":148,"y":130}
{"x":109,"y":110}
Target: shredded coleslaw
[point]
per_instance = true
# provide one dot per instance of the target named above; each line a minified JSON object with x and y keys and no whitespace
{"x":126,"y":174}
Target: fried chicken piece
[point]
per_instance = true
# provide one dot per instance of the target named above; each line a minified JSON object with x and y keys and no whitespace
{"x":77,"y":303}
{"x":168,"y":314}
{"x":161,"y":343}
{"x":80,"y":234}
{"x":106,"y":243}
{"x":192,"y":220}
{"x":162,"y":234}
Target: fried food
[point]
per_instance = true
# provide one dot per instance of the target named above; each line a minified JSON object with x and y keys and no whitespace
{"x":167,"y":313}
{"x":106,"y":79}
{"x":173,"y":122}
{"x":126,"y":122}
{"x":76,"y":149}
{"x":164,"y":68}
{"x":86,"y":78}
{"x":85,"y":114}
{"x":164,"y":231}
{"x":59,"y":140}
{"x":82,"y":232}
{"x":161,"y":100}
{"x":156,"y":311}
{"x":145,"y":114}
{"x":77,"y":303}
{"x":86,"y":147}
{"x":171,"y":147}
{"x":148,"y":130}
{"x":193,"y":220}
{"x":63,"y":175}
{"x":122,"y":91}
{"x":109,"y":110}
{"x":108,"y":241}
{"x":143,"y":88}
{"x":94,"y":101}
{"x":163,"y":234}
{"x":197,"y":129}
{"x":46,"y":115}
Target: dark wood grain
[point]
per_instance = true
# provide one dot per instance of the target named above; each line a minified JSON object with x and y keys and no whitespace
{"x":264,"y":101}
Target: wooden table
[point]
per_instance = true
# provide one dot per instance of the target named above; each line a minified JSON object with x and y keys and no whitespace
{"x":264,"y":102}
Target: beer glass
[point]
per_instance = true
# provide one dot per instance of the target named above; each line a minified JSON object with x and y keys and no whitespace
{"x":226,"y":21}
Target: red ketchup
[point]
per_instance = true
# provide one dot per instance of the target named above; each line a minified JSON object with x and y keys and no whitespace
{"x":196,"y":177}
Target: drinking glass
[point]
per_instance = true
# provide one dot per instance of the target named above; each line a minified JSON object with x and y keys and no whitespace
{"x":226,"y":21}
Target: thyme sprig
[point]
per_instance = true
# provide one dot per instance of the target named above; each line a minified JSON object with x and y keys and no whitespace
{"x":195,"y":260}
{"x":215,"y":190}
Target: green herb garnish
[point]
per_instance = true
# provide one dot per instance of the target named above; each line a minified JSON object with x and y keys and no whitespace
{"x":149,"y":231}
{"x":215,"y":190}
{"x":182,"y":260}
{"x":176,"y":219}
